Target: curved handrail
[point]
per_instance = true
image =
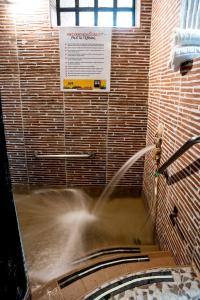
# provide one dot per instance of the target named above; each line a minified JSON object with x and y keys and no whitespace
{"x":194,"y":140}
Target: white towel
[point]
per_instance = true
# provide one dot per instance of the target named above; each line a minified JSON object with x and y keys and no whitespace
{"x":186,"y":37}
{"x":186,"y":40}
{"x":190,"y":14}
{"x":183,"y":54}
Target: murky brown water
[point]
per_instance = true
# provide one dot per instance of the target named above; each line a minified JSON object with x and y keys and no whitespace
{"x":61,"y":225}
{"x":57,"y":227}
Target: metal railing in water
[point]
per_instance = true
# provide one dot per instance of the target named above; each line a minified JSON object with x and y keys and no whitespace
{"x":64,"y":156}
{"x":194,"y":140}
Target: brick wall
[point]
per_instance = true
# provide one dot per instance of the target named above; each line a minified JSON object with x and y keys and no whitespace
{"x":39,"y":117}
{"x":174,"y":101}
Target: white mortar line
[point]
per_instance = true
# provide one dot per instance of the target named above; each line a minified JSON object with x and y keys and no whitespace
{"x":21,"y":103}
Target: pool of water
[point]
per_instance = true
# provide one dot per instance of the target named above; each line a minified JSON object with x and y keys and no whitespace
{"x":59,"y":225}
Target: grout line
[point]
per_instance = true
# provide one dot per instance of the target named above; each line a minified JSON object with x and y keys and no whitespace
{"x":155,"y":200}
{"x":107,"y":139}
{"x":21,"y":105}
{"x":64,"y":131}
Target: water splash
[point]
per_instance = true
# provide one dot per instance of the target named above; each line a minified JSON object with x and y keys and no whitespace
{"x":53,"y":222}
{"x":59,"y":262}
{"x":58,"y":224}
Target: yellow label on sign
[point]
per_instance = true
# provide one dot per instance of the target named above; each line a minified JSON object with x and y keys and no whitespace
{"x":84,"y":84}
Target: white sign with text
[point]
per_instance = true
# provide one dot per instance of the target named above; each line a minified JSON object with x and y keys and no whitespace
{"x":85,"y":59}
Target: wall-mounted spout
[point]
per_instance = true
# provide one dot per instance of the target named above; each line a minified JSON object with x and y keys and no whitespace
{"x":158,"y":143}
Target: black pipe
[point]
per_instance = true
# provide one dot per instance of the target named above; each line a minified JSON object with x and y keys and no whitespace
{"x":194,"y":140}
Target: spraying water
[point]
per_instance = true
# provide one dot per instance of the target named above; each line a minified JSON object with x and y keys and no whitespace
{"x":58,"y":224}
{"x":116,"y":178}
{"x":53,"y":223}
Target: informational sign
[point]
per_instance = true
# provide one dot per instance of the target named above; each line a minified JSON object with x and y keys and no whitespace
{"x":85,"y":55}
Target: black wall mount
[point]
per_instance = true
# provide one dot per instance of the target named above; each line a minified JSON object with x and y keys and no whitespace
{"x":174,"y":219}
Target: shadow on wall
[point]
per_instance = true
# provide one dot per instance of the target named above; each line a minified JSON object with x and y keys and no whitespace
{"x":191,"y":169}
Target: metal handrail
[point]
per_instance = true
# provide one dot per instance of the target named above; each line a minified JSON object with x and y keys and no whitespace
{"x":64,"y":156}
{"x":194,"y":140}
